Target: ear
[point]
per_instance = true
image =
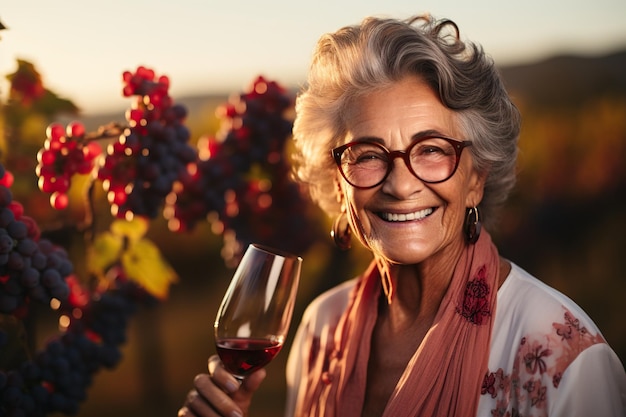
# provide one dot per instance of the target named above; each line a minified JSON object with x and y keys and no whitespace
{"x":339,"y":191}
{"x":476,"y":188}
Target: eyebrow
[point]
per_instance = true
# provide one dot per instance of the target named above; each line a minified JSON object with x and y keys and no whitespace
{"x":415,"y":137}
{"x":427,"y":133}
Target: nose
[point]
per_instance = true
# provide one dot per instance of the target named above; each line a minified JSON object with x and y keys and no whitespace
{"x":401,"y":181}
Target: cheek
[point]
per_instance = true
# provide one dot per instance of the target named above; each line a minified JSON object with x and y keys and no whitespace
{"x":458,"y":196}
{"x":474,"y":184}
{"x":353,"y":198}
{"x":355,"y":204}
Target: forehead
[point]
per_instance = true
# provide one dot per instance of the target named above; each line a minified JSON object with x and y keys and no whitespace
{"x":400,"y":110}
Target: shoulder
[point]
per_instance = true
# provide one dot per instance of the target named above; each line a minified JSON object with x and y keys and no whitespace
{"x":314,"y":337}
{"x":328,"y":307}
{"x":532,"y":316}
{"x":541,"y":340}
{"x":526,"y":304}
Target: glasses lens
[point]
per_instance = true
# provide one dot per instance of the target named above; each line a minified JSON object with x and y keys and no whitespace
{"x":364,"y":164}
{"x":433,"y":159}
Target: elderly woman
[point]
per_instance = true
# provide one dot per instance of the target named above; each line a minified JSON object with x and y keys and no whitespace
{"x":406,"y":135}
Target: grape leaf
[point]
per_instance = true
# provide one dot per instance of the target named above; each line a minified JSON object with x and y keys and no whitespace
{"x":104,"y":252}
{"x":134,"y":229}
{"x":139,"y":257}
{"x":144,"y":264}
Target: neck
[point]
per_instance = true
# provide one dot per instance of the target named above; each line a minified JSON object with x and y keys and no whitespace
{"x":415,"y":292}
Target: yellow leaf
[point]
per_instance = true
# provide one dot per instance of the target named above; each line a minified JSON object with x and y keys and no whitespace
{"x":144,"y":264}
{"x":134,"y":229}
{"x":105,"y":251}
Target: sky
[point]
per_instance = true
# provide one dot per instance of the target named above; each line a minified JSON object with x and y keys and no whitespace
{"x":81,"y":47}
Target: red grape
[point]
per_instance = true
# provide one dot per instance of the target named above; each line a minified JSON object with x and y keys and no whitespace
{"x":59,"y":200}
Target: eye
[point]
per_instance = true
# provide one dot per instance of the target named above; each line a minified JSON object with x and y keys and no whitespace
{"x":364,"y":154}
{"x":429,"y":150}
{"x":432,"y":148}
{"x":369,"y":156}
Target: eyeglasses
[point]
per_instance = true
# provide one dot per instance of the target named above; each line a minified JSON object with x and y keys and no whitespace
{"x":367,"y":164}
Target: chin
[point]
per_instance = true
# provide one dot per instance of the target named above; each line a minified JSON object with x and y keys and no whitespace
{"x":400,"y":253}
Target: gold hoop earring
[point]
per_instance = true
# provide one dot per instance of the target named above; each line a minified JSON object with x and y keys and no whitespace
{"x":341,"y":233}
{"x":473,"y":225}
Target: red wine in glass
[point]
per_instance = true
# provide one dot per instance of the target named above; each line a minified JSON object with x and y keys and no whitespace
{"x":254,"y":317}
{"x":244,"y":356}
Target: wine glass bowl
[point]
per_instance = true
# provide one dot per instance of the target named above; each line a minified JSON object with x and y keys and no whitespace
{"x":253,"y":319}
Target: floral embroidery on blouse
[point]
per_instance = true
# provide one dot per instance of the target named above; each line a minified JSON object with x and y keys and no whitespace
{"x":540,"y":363}
{"x":475,"y":307}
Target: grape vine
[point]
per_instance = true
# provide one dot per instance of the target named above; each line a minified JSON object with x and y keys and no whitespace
{"x":242,"y":181}
{"x":238,"y":180}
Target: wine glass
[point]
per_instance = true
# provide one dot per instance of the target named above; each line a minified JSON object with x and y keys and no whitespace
{"x":253,"y":319}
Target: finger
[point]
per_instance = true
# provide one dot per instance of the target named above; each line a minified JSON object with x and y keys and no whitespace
{"x":185,"y":412}
{"x":221,"y":376}
{"x":252,"y":382}
{"x":209,"y":399}
{"x":243,"y":397}
{"x":195,"y":405}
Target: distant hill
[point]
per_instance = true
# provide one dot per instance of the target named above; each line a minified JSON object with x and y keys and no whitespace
{"x":195,"y":105}
{"x":566,"y":80}
{"x":558,"y":81}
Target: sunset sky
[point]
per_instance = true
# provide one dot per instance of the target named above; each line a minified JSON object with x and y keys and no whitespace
{"x":81,"y":47}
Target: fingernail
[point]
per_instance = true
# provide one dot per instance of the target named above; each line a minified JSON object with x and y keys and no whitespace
{"x":232,"y":387}
{"x":236,"y":413}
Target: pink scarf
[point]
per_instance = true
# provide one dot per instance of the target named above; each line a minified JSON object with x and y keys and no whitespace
{"x":445,"y":374}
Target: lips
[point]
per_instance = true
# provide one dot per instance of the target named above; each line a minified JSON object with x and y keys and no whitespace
{"x":406,"y":217}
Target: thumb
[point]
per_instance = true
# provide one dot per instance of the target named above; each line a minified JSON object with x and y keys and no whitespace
{"x":253,"y":381}
{"x":243,"y":396}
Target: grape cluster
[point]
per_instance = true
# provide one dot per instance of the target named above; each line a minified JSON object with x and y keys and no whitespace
{"x":94,"y":324}
{"x":242,"y":179}
{"x":141,"y":167}
{"x":26,"y":84}
{"x":30,"y":268}
{"x":64,"y":154}
{"x":57,"y":378}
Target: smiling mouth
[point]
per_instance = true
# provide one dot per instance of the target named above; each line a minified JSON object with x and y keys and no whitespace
{"x":406,"y":217}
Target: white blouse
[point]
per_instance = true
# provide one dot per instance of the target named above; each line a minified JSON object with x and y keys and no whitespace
{"x":547,"y":357}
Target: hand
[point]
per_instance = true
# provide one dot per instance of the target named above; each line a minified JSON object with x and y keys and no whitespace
{"x":218,"y":393}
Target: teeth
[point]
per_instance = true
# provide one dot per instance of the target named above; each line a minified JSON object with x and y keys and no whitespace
{"x":394,"y":217}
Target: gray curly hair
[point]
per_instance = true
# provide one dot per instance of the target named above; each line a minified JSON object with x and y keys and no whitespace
{"x":357,"y":60}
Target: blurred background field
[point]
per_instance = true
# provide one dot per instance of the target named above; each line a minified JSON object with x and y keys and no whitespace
{"x":564,"y":223}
